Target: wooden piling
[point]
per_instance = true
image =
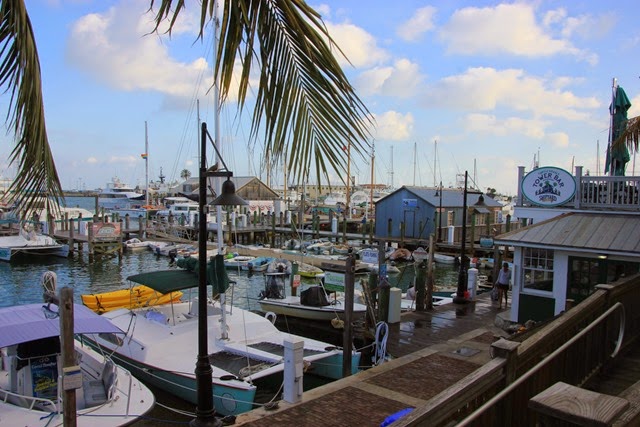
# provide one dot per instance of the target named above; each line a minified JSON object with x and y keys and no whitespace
{"x":68,"y":353}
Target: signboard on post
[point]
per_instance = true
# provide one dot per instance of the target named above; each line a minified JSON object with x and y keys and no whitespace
{"x":548,"y":186}
{"x":370,"y":256}
{"x":486,"y":241}
{"x":334,"y":281}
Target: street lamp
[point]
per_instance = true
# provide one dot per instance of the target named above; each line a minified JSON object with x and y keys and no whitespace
{"x":439,"y":193}
{"x":203,"y":372}
{"x":462,"y":274}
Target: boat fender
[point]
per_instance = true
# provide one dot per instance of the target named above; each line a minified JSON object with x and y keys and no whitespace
{"x":271,"y":316}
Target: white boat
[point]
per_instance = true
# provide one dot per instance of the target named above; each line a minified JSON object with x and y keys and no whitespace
{"x":313,"y":303}
{"x":118,"y":195}
{"x":259,"y":264}
{"x":161,"y":349}
{"x":30,"y":243}
{"x":238,"y":262}
{"x":443,"y":259}
{"x":135,"y":244}
{"x":31,"y":372}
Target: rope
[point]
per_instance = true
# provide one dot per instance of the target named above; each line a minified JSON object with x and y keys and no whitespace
{"x":380,"y":352}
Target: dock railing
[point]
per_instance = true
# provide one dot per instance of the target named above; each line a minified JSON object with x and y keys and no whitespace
{"x":572,"y":348}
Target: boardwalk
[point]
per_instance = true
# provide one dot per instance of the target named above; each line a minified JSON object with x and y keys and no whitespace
{"x":432,"y":351}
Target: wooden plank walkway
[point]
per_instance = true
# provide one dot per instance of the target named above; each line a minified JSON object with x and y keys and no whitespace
{"x":433,"y":350}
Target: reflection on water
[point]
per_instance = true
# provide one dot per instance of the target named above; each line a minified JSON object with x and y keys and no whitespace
{"x":20,"y":280}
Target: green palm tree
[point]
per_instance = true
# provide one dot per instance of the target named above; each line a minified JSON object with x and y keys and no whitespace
{"x":305,"y":107}
{"x":185,"y":174}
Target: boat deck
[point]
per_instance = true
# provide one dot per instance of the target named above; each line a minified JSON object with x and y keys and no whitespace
{"x":432,"y":350}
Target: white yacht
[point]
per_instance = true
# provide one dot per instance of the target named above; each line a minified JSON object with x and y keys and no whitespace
{"x":118,"y":195}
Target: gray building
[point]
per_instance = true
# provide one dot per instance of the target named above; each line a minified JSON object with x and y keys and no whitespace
{"x":416,"y":208}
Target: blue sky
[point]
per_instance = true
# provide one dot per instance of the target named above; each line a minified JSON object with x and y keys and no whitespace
{"x":495,"y":84}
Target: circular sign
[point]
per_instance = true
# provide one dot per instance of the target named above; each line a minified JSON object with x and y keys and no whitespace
{"x":548,"y":186}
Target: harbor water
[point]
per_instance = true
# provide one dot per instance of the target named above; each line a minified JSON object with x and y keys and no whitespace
{"x":21,"y":283}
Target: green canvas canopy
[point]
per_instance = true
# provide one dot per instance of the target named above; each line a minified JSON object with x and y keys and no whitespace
{"x":165,"y":281}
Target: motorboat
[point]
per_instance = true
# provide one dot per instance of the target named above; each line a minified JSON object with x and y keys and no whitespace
{"x":443,"y":258}
{"x":259,"y":264}
{"x":313,"y":302}
{"x":118,"y":195}
{"x":32,"y":376}
{"x":135,"y":244}
{"x":30,"y":243}
{"x":134,"y":297}
{"x":238,"y":262}
{"x":245,"y":349}
{"x":309,"y":271}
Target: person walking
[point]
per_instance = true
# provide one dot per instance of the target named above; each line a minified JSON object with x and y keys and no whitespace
{"x":504,"y":278}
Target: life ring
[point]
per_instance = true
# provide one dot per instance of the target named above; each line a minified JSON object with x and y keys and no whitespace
{"x":271,"y":316}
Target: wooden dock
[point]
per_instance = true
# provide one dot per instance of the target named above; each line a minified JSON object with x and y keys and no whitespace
{"x":432,"y":350}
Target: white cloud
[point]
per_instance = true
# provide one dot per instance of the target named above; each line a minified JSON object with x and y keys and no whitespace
{"x":115,"y":48}
{"x":559,"y":139}
{"x":491,"y":125}
{"x":401,"y":80}
{"x":393,"y":126}
{"x":507,"y":29}
{"x":123,"y":160}
{"x":359,"y":47}
{"x":484,"y":89}
{"x":92,"y":160}
{"x":420,"y":23}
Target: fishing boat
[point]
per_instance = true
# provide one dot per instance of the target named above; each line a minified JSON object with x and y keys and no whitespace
{"x":134,"y":297}
{"x":313,"y":303}
{"x":31,"y":389}
{"x":245,"y":348}
{"x":29,"y":243}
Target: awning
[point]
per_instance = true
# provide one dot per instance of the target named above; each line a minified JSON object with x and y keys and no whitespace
{"x":165,"y":281}
{"x":24,"y":323}
{"x":482,"y":210}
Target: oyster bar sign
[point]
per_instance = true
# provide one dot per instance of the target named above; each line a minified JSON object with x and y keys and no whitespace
{"x":548,"y":186}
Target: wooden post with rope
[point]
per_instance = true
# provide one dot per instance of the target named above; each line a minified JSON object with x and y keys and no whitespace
{"x":68,"y":353}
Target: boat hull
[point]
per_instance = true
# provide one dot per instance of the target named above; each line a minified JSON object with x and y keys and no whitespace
{"x":290,"y":306}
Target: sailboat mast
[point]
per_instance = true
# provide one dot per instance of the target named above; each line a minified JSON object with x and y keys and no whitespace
{"x":349,"y":178}
{"x":373,"y":158}
{"x":146,"y":164}
{"x":414,"y":164}
{"x":435,"y":160}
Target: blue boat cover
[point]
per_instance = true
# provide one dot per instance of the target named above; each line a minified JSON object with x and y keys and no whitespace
{"x":24,"y":323}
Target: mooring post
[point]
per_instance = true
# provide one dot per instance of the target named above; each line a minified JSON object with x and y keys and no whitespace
{"x":68,"y":353}
{"x":349,"y":279}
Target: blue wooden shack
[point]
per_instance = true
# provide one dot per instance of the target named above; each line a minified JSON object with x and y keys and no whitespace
{"x":414,"y":211}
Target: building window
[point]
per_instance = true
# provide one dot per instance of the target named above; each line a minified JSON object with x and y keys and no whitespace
{"x":450,"y":218}
{"x":481,"y":219}
{"x":537,"y":268}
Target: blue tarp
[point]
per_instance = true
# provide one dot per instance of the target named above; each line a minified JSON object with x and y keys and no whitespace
{"x":24,"y":323}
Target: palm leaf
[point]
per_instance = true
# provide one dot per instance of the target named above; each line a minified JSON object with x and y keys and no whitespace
{"x":305,"y":108}
{"x":631,"y":135}
{"x":20,"y":77}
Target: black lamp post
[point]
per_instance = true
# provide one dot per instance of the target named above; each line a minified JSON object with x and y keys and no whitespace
{"x":462,"y":275}
{"x":204,"y":374}
{"x":439,"y":193}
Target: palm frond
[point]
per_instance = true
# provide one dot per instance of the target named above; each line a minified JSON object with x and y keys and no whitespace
{"x":631,"y":135}
{"x":20,"y":77}
{"x":305,"y":107}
